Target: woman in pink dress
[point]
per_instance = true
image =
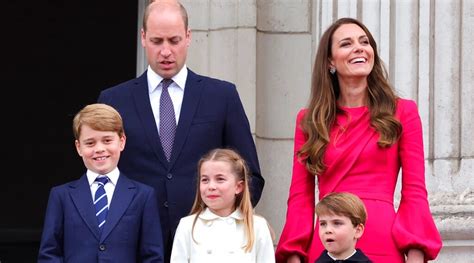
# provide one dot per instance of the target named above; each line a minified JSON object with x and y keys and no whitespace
{"x":354,"y":136}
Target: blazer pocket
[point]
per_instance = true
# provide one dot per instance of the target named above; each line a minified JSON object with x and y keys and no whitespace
{"x":204,"y":119}
{"x":128,"y":228}
{"x":205,"y":128}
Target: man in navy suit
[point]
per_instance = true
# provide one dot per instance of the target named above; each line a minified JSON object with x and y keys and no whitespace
{"x":116,"y":220}
{"x":208,"y":112}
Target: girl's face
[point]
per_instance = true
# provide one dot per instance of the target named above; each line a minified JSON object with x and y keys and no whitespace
{"x":338,"y":235}
{"x":352,"y":54}
{"x":218,"y":187}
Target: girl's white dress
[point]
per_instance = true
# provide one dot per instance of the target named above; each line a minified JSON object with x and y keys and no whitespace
{"x":221,"y":239}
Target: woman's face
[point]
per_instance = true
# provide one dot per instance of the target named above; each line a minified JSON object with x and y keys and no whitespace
{"x":352,"y":54}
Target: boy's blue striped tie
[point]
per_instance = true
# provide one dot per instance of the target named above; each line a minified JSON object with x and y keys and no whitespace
{"x":100,"y":201}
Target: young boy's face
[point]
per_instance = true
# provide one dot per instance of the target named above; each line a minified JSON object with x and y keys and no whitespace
{"x":100,"y":150}
{"x":338,"y":235}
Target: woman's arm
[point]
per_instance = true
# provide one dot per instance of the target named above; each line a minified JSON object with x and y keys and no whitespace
{"x":299,"y":225}
{"x":414,"y":226}
{"x":415,"y":256}
{"x":294,"y":259}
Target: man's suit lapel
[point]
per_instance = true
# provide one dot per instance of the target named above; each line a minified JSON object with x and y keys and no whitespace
{"x":192,"y":95}
{"x":142,"y":102}
{"x":82,"y":198}
{"x":123,"y":194}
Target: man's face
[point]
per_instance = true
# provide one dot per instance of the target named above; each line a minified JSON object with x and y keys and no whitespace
{"x":166,"y":40}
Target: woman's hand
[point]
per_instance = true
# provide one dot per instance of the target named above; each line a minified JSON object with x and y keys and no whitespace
{"x":415,"y":256}
{"x":294,"y":259}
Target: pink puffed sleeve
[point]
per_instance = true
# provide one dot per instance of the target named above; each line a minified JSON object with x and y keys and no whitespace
{"x":414,"y":226}
{"x":298,"y":230}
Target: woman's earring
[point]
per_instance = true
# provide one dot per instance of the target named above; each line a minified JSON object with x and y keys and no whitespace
{"x":332,"y":70}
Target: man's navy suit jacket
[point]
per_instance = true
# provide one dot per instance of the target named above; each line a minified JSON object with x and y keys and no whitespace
{"x":212,"y":116}
{"x":131,"y":233}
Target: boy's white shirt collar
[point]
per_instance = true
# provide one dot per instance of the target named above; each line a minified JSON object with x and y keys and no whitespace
{"x":154,"y":79}
{"x":329,"y":254}
{"x":207,"y":214}
{"x":113,"y":176}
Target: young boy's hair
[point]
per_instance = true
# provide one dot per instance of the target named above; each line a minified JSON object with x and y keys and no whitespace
{"x":100,"y":117}
{"x":343,"y":204}
{"x":242,"y":201}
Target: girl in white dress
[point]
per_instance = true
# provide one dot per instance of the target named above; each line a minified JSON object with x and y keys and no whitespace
{"x":222,"y":226}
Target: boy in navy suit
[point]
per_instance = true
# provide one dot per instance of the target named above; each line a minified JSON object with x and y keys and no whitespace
{"x":103,"y":216}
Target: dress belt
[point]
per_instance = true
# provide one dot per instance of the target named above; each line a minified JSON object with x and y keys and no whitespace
{"x":386,"y":197}
{"x":376,"y":196}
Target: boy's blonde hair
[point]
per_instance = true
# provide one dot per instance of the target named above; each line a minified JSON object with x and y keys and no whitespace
{"x":242,"y":200}
{"x":343,"y":204}
{"x":100,"y":117}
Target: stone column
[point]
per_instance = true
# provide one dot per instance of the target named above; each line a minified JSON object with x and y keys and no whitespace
{"x":451,"y":153}
{"x":284,"y":57}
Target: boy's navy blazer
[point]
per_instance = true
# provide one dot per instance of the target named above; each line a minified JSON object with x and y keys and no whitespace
{"x":212,"y":116}
{"x":132,"y":232}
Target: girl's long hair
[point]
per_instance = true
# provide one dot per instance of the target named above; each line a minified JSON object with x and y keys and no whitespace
{"x":322,"y":108}
{"x":242,"y":200}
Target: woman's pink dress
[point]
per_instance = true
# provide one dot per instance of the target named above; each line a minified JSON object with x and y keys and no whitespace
{"x":356,"y":164}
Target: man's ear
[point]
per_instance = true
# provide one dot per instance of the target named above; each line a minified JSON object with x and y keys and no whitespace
{"x":188,"y":37}
{"x":143,"y":37}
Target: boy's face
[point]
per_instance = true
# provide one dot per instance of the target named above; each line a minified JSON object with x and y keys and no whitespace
{"x":100,"y":150}
{"x":338,"y":235}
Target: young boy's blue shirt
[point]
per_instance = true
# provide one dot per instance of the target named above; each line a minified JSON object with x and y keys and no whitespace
{"x":132,"y":231}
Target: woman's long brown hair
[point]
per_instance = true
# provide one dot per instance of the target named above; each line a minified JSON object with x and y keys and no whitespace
{"x":322,"y":108}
